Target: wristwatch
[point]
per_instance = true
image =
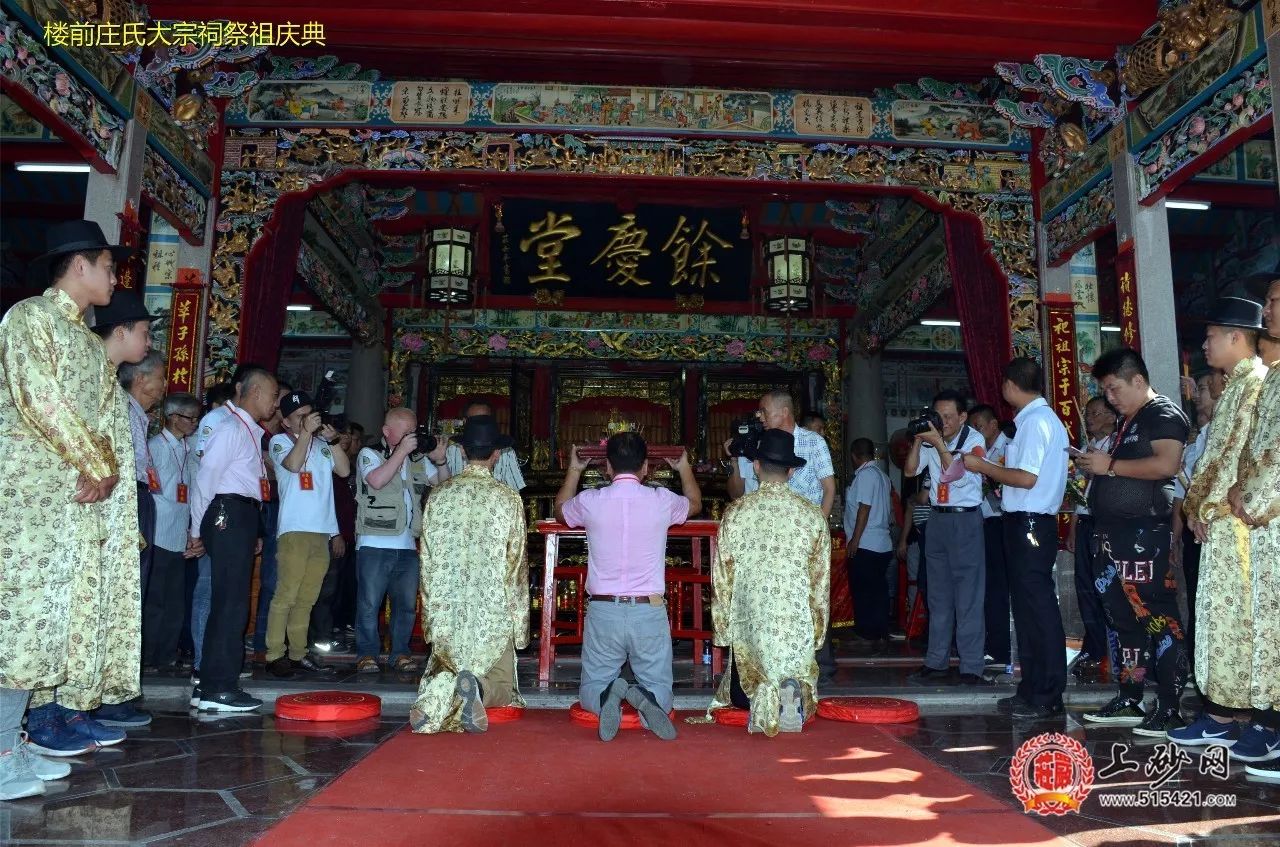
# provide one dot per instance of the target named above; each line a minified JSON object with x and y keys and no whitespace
{"x":1111,"y":468}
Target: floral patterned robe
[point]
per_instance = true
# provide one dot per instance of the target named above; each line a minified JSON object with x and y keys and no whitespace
{"x":771,"y":579}
{"x":475,"y":588}
{"x":70,"y":608}
{"x":1224,"y":607}
{"x":1259,"y":480}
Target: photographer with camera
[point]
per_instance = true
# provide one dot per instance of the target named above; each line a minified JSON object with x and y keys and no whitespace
{"x":955,"y":554}
{"x":816,"y":481}
{"x":390,"y":487}
{"x":306,"y":524}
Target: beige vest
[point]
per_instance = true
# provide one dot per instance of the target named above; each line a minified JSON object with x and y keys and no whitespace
{"x":380,"y":511}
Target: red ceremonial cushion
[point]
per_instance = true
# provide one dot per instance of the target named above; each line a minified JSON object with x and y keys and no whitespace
{"x":868,"y":709}
{"x":733,"y":716}
{"x":630,"y":718}
{"x":504,"y":714}
{"x":328,"y":706}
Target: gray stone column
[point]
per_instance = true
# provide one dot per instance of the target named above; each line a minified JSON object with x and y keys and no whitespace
{"x":106,"y":194}
{"x":367,"y":386}
{"x":866,"y":401}
{"x":1148,"y":227}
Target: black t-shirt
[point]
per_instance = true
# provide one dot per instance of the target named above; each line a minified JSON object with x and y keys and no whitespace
{"x":1123,"y":498}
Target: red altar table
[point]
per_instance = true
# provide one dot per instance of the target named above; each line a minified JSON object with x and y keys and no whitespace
{"x":556,"y":632}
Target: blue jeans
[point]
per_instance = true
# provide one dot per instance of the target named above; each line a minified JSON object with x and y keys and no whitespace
{"x":200,"y":601}
{"x":380,"y":573}
{"x":266,"y":574}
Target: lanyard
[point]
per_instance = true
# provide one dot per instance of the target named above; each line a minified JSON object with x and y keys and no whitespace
{"x":261,"y":461}
{"x":307,"y":457}
{"x":182,"y":466}
{"x":1120,"y":436}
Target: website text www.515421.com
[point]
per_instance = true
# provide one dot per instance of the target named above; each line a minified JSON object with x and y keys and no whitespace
{"x":1160,"y":797}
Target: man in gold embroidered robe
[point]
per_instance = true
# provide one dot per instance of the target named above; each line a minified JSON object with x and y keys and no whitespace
{"x":475,"y":590}
{"x":771,"y":580}
{"x":1224,"y":607}
{"x":68,"y":531}
{"x":1255,"y":499}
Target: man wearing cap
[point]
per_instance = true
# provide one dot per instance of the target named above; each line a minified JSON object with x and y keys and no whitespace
{"x":1255,"y":499}
{"x":66,"y":448}
{"x":771,"y":579}
{"x":305,"y":464}
{"x":1224,"y":597}
{"x":475,"y":589}
{"x":627,"y":523}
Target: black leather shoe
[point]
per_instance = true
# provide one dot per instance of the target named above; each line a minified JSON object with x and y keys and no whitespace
{"x":310,"y":665}
{"x":926,"y":675}
{"x":1031,"y":711}
{"x":281,"y":668}
{"x":975,"y":679}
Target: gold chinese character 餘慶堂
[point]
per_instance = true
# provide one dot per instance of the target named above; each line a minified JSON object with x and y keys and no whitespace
{"x":549,"y":236}
{"x":624,"y":251}
{"x":679,"y":246}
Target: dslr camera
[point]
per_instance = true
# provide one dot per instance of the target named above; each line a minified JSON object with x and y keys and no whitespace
{"x":915,"y":426}
{"x":324,"y":399}
{"x":746,"y":437}
{"x":426,"y":442}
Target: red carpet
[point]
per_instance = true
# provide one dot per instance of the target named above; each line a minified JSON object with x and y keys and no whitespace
{"x":546,"y":781}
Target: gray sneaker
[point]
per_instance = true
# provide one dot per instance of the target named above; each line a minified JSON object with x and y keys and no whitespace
{"x":655,"y":719}
{"x":474,"y":717}
{"x":611,"y":708}
{"x":17,"y":780}
{"x":791,"y":707}
{"x":45,"y":770}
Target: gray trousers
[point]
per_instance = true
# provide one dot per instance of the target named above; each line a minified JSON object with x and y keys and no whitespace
{"x":955,"y":554}
{"x":618,"y":633}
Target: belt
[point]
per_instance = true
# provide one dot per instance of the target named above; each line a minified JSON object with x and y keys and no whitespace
{"x":643,"y":600}
{"x":955,"y":509}
{"x":1034,"y":515}
{"x":239,"y":498}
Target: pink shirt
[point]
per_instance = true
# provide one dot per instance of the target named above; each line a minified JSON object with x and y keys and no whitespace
{"x":626,"y":525}
{"x":232,"y":464}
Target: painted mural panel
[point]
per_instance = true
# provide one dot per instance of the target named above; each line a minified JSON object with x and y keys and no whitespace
{"x":321,"y":101}
{"x":17,"y":125}
{"x":644,"y":108}
{"x":823,"y":114}
{"x":1096,"y":160}
{"x":1260,"y":161}
{"x":926,"y":120}
{"x":438,"y":102}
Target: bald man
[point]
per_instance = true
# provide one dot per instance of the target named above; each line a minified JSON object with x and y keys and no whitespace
{"x":391,"y":483}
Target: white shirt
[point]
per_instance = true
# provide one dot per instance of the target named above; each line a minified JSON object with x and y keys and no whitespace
{"x":507,"y":471}
{"x":367,"y":460}
{"x":302,"y":510}
{"x":806,"y":481}
{"x":1190,"y":458}
{"x":206,"y":427}
{"x":871,"y":486}
{"x":235,"y":463}
{"x":175,"y":464}
{"x":995,"y":455}
{"x":965,"y":491}
{"x":1038,"y":447}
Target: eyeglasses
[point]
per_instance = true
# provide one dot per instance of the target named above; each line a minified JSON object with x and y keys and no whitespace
{"x":185,"y":417}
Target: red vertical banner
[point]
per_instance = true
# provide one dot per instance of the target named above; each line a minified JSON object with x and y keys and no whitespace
{"x":1127,"y":296}
{"x":1064,"y":389}
{"x":129,"y":272}
{"x":184,"y":331}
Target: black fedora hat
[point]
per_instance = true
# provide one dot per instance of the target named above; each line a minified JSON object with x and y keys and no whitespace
{"x":482,"y":431}
{"x":126,"y":306}
{"x":73,"y":237}
{"x":1237,"y":312}
{"x":777,"y":447}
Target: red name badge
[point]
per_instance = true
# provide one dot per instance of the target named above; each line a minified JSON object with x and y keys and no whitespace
{"x":266,"y":489}
{"x":944,"y":494}
{"x":305,"y":482}
{"x":153,"y":479}
{"x":182,"y":492}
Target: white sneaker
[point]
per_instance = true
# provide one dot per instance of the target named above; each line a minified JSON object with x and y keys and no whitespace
{"x":791,"y":707}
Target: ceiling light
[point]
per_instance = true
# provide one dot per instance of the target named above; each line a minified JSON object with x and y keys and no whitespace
{"x":1190,"y":205}
{"x":297,"y":307}
{"x":52,"y":168}
{"x":1110,"y":328}
{"x":939,"y":322}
